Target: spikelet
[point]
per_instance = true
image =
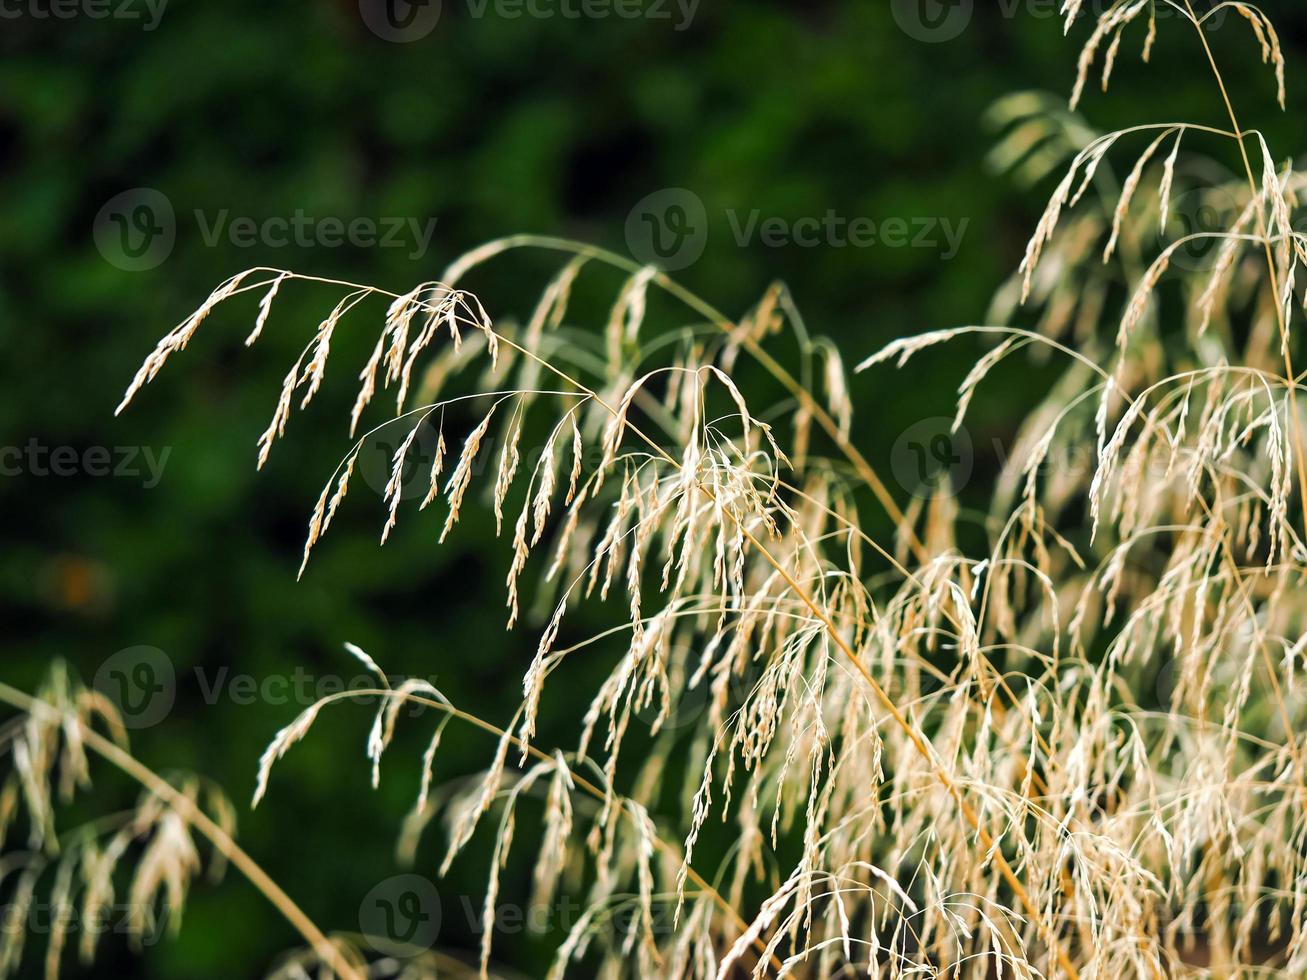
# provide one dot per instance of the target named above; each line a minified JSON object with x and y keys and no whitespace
{"x":520,"y":554}
{"x":359,"y":654}
{"x":382,"y":732}
{"x":1168,"y":179}
{"x":905,"y":347}
{"x":1113,"y":22}
{"x":1069,"y":12}
{"x":279,"y":746}
{"x":1045,"y":228}
{"x":311,"y":375}
{"x":368,"y":386}
{"x":482,"y":323}
{"x":1225,"y":260}
{"x":435,"y":311}
{"x":316,"y":369}
{"x":544,"y":478}
{"x":477,"y":804}
{"x":428,"y":769}
{"x":393,"y":492}
{"x":509,"y":458}
{"x":437,"y":467}
{"x":177,"y":338}
{"x":626,"y":316}
{"x":455,"y":272}
{"x":1129,"y":188}
{"x":169,"y":863}
{"x":265,"y":308}
{"x":967,"y":390}
{"x":457,"y":485}
{"x":1269,"y":40}
{"x":1139,"y":300}
{"x":325,"y":508}
{"x":277,"y":427}
{"x":557,"y":832}
{"x":548,"y":314}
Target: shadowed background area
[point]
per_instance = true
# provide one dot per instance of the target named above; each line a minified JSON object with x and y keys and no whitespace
{"x":151,"y":153}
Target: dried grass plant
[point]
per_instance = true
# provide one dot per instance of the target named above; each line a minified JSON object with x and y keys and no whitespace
{"x":934,"y":762}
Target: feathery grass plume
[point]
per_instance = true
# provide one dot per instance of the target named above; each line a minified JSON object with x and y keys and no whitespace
{"x":1064,"y":745}
{"x":128,"y":871}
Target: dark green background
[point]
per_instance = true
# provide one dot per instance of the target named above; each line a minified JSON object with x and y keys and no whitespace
{"x":491,"y":126}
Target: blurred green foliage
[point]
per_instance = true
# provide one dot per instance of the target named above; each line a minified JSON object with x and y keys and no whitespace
{"x":490,"y":126}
